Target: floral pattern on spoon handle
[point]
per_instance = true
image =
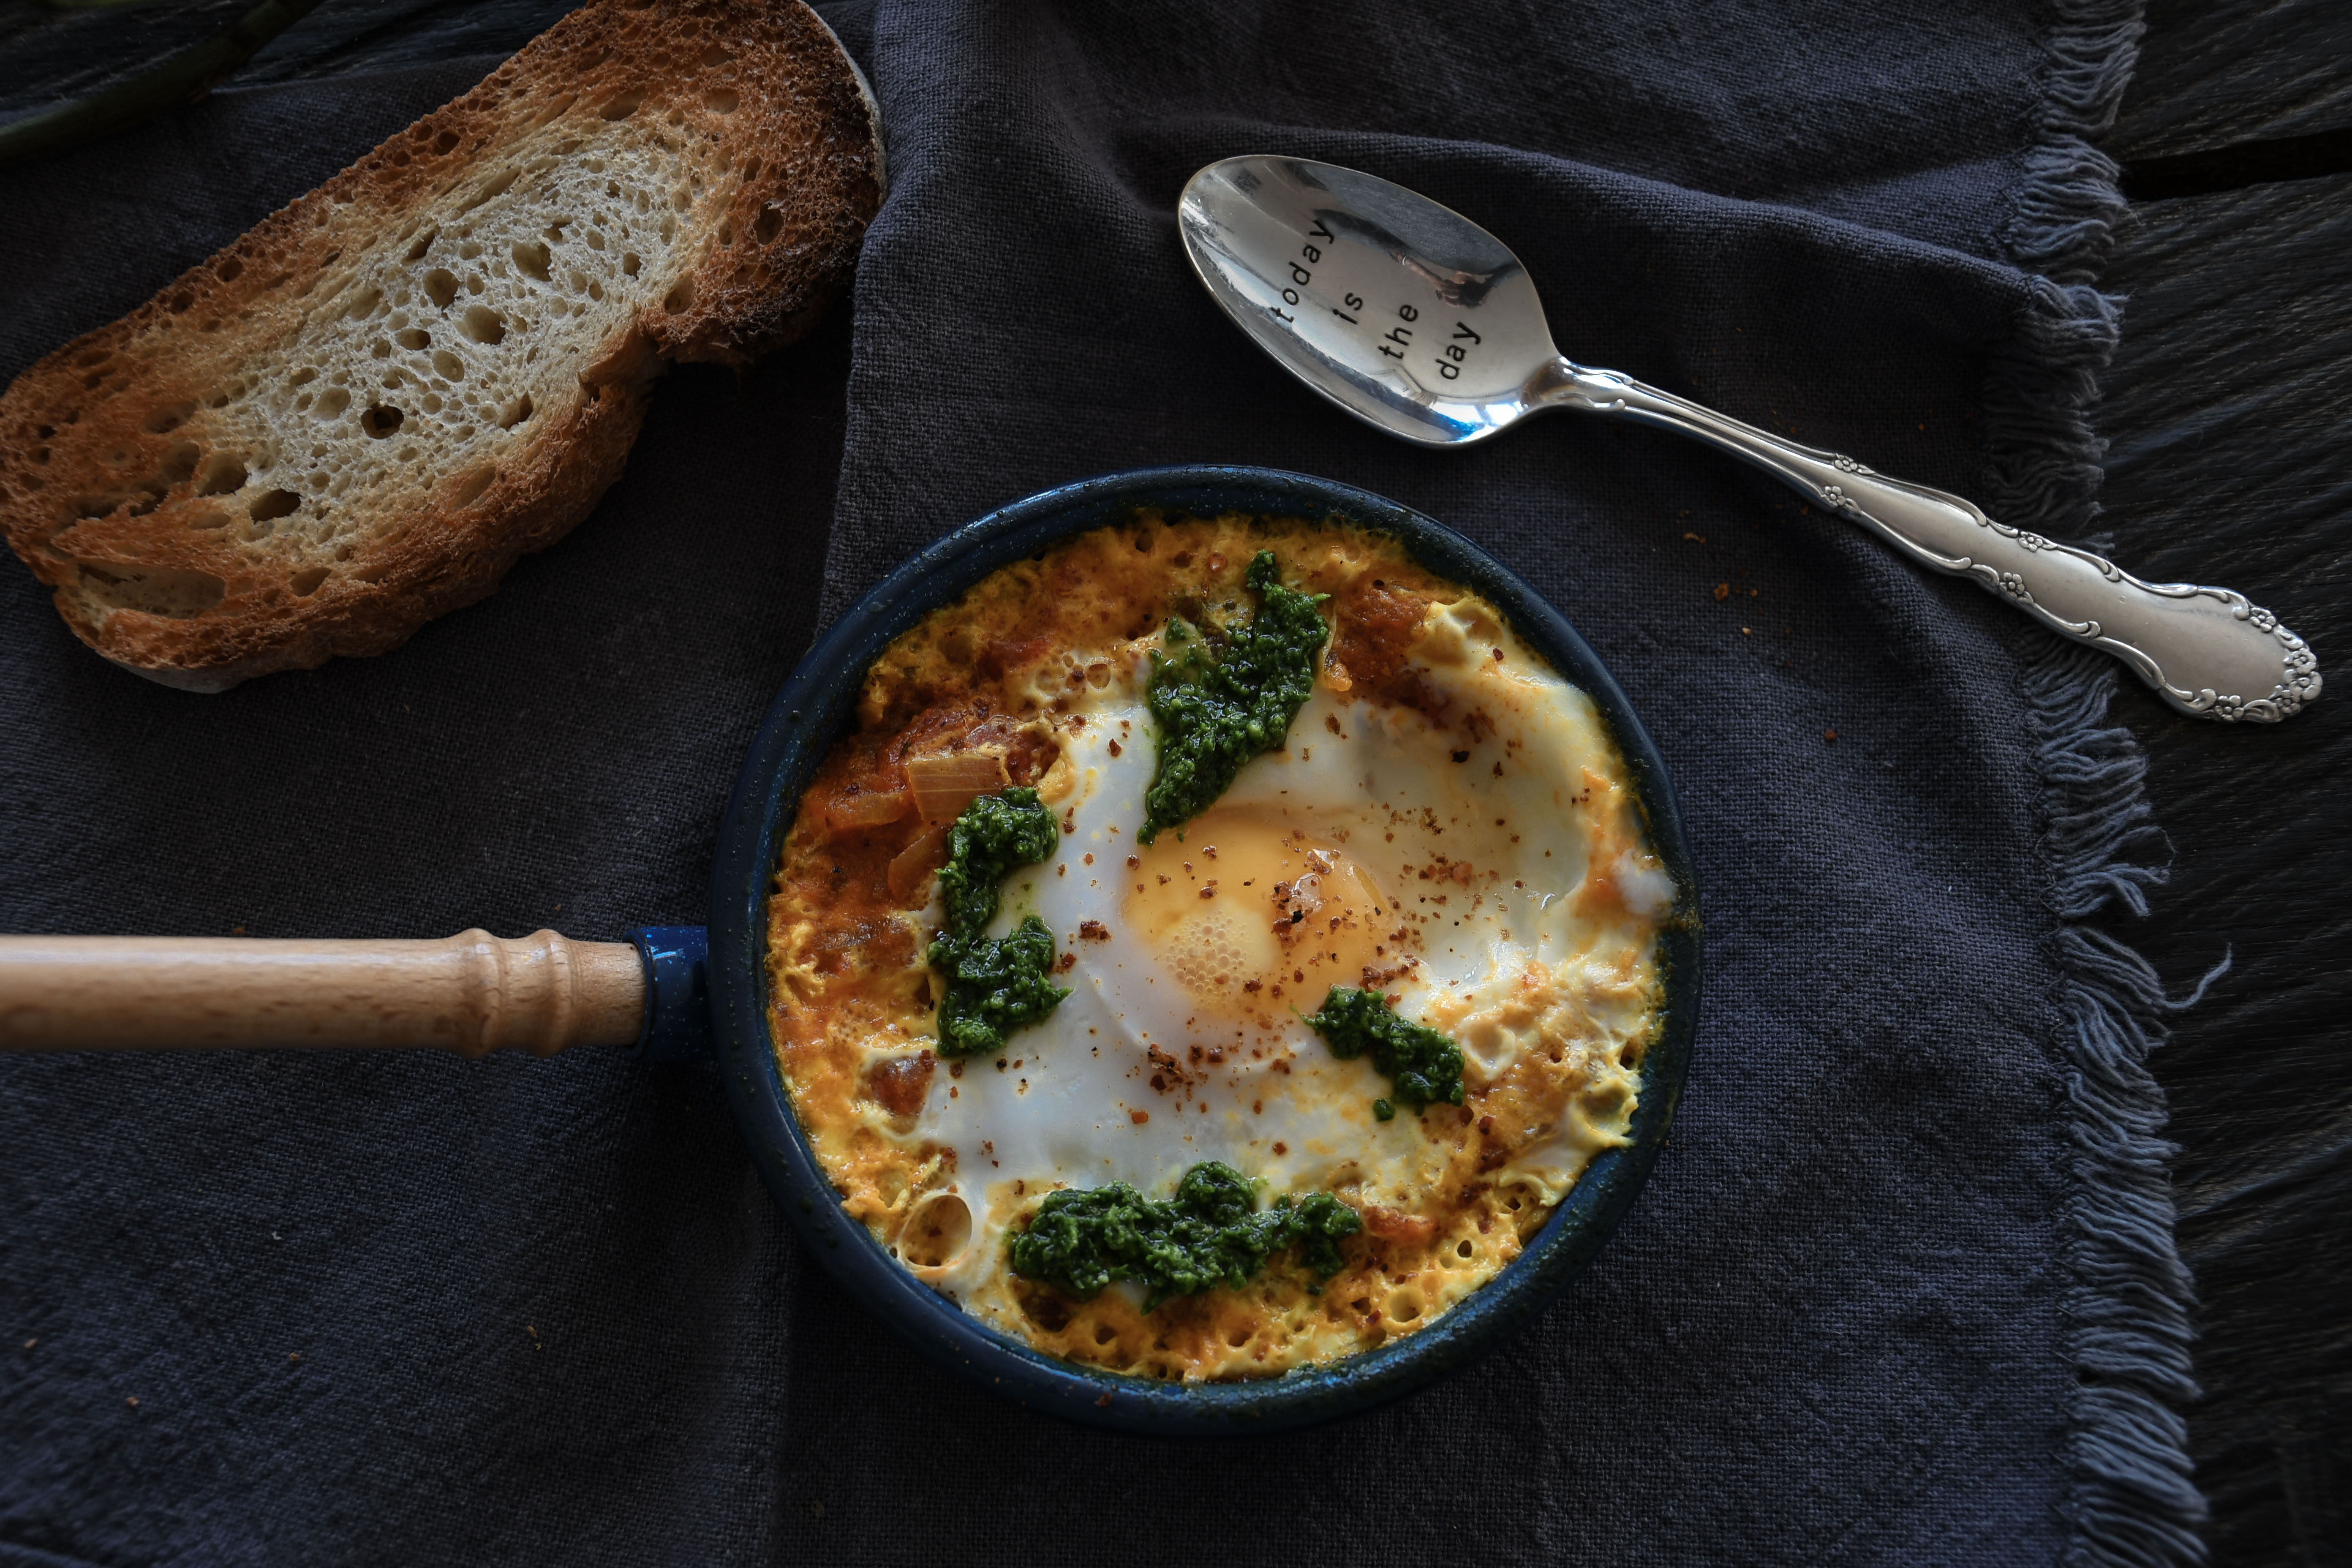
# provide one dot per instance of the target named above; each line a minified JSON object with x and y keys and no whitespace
{"x":2208,"y":651}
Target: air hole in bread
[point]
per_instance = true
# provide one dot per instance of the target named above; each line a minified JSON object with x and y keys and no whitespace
{"x":332,"y":402}
{"x":714,"y":57}
{"x":515,"y":412}
{"x":179,"y":462}
{"x":470,"y":488}
{"x":306,"y":582}
{"x":302,"y":377}
{"x":179,"y":302}
{"x":448,"y":364}
{"x":169,"y":417}
{"x":222,"y":474}
{"x":423,"y":242}
{"x":444,"y":143}
{"x":205,"y":522}
{"x":413,"y":338}
{"x":270,"y":505}
{"x":531,"y":256}
{"x":720,"y":101}
{"x":364,"y":304}
{"x":152,"y":590}
{"x":680,"y":296}
{"x":231,"y":270}
{"x":441,"y":287}
{"x":497,"y":187}
{"x":90,"y":381}
{"x":726,"y":234}
{"x":91,"y":357}
{"x":630,"y":263}
{"x":620,"y":106}
{"x":381,"y":421}
{"x":770,"y":224}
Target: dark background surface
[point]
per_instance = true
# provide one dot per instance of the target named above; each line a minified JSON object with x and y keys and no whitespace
{"x":2226,"y":412}
{"x":2225,"y":409}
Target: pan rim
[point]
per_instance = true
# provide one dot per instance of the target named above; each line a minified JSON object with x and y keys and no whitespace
{"x":801,"y":725}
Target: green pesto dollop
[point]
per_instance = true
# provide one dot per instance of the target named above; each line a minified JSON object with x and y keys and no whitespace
{"x":1210,"y":1233}
{"x":995,"y":985}
{"x":1423,"y":1065}
{"x":1214,"y":714}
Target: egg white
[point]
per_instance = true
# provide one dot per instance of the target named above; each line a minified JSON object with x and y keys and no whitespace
{"x":1396,"y":794}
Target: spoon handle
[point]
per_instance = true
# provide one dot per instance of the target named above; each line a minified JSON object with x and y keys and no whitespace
{"x":2206,"y":651}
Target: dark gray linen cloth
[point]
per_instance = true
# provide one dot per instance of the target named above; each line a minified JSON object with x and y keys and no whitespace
{"x":1901,"y":1288}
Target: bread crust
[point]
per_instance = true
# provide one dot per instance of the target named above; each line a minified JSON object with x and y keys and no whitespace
{"x":96,"y":486}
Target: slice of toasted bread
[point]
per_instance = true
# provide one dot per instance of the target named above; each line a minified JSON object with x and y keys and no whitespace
{"x":360,"y":415}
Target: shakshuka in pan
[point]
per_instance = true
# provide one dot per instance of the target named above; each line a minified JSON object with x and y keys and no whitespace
{"x":1217,"y":947}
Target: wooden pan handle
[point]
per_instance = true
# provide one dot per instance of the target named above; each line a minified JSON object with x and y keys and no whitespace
{"x":472,"y":993}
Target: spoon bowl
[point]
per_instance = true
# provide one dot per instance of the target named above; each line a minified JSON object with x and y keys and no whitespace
{"x":1415,"y":320}
{"x":1401,"y":312}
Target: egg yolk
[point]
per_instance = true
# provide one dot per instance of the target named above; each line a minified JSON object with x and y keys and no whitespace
{"x":1253,"y":917}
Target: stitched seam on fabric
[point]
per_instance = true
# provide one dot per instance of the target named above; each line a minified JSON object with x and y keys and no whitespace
{"x":2131,"y":1495}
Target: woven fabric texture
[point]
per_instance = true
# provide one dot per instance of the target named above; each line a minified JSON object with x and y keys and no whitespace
{"x":277,"y":1307}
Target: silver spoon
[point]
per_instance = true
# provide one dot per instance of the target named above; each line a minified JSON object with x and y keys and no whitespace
{"x":1413,"y":319}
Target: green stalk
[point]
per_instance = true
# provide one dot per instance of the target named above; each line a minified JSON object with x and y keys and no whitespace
{"x":182,"y":78}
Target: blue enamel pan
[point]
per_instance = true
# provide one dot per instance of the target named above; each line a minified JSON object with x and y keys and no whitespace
{"x":817,"y":706}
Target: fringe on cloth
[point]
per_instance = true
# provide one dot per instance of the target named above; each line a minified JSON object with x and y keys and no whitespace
{"x":2132,"y":1497}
